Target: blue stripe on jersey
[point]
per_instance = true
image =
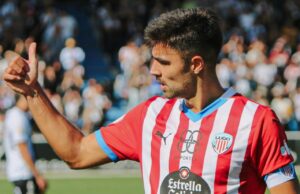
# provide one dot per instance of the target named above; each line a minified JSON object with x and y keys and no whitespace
{"x":105,"y":147}
{"x":210,"y":108}
{"x":280,"y":175}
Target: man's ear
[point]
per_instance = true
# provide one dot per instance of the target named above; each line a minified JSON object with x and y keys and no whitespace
{"x":197,"y":64}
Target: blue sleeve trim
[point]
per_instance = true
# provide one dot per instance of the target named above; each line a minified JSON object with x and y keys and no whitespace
{"x":280,"y":175}
{"x":105,"y":147}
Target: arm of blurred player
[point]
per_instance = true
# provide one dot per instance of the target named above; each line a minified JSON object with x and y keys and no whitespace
{"x":66,"y":140}
{"x":41,"y":182}
{"x":289,"y":187}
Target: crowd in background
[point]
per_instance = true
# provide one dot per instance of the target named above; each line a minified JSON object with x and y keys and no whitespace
{"x":260,"y":56}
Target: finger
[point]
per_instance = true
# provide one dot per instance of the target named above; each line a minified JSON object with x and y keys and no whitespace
{"x":15,"y":88}
{"x":10,"y":70}
{"x":21,"y":63}
{"x":18,"y":67}
{"x":32,"y":53}
{"x":16,"y":70}
{"x":12,"y":77}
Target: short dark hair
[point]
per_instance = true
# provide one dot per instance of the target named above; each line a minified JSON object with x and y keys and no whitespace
{"x":189,"y":31}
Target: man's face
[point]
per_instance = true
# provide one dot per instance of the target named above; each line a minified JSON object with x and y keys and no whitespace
{"x":175,"y":77}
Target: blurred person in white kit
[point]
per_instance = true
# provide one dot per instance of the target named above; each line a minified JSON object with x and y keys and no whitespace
{"x":20,"y":168}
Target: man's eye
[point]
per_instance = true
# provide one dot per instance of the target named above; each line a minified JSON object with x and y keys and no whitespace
{"x":164,"y":62}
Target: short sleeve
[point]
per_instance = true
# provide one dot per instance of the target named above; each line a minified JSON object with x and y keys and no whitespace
{"x":270,"y":150}
{"x":122,"y":139}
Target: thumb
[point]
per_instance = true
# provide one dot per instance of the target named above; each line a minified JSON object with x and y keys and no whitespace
{"x":32,"y":55}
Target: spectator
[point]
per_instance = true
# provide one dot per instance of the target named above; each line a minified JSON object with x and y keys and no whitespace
{"x":281,"y":104}
{"x":296,"y":102}
{"x":72,"y":102}
{"x":95,"y":104}
{"x":71,"y":55}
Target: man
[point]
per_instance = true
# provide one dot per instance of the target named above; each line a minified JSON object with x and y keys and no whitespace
{"x":198,"y":138}
{"x":20,"y":167}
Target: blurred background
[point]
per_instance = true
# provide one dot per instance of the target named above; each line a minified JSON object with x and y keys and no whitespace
{"x":94,"y":66}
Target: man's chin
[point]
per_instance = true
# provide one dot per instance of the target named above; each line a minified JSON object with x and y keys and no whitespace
{"x":169,"y":95}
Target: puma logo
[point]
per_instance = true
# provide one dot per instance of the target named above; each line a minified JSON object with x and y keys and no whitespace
{"x":164,"y":138}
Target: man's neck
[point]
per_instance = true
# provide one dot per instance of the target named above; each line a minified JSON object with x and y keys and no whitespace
{"x":207,"y":91}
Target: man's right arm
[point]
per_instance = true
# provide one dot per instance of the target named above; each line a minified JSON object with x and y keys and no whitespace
{"x":66,"y":140}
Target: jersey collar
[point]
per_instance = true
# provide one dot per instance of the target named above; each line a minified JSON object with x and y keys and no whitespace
{"x":210,"y":108}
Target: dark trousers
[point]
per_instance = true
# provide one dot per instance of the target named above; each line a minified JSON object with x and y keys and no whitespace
{"x":28,"y":186}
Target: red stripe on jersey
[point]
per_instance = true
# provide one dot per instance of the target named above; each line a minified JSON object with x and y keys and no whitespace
{"x":248,"y":173}
{"x":223,"y":163}
{"x":177,"y":144}
{"x":203,"y":137}
{"x":160,"y":127}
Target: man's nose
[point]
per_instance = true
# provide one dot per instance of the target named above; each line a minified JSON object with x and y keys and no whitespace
{"x":154,"y":68}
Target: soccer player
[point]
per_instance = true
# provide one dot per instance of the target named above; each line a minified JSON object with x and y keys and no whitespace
{"x":197,"y":138}
{"x":20,"y":168}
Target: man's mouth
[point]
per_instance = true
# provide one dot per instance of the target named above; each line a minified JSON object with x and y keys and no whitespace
{"x":163,"y":86}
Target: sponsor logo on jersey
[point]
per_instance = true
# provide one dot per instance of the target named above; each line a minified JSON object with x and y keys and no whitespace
{"x":190,"y":142}
{"x":221,"y":142}
{"x":184,"y":182}
{"x":184,"y":172}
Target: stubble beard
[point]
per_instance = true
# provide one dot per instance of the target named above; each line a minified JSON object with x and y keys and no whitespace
{"x":174,"y":93}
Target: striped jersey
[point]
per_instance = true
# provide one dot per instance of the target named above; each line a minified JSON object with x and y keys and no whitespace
{"x":228,"y":147}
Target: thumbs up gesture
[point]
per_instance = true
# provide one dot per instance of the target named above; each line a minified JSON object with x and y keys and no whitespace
{"x":21,"y":74}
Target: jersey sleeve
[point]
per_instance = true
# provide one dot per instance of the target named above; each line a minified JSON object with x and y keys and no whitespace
{"x":122,"y":139}
{"x":280,"y":176}
{"x":270,"y":151}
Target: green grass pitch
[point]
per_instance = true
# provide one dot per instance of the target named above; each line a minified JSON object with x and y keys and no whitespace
{"x":95,"y":185}
{"x":87,"y":185}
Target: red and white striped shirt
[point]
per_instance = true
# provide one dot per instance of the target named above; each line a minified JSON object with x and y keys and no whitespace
{"x":226,"y":148}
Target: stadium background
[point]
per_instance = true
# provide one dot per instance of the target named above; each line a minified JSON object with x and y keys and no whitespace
{"x":94,"y":68}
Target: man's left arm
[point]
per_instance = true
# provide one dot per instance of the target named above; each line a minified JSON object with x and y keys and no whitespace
{"x":289,"y":187}
{"x":273,"y":157}
{"x":283,"y":180}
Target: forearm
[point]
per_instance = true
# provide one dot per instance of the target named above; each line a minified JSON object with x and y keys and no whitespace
{"x":63,"y":137}
{"x":27,"y":158}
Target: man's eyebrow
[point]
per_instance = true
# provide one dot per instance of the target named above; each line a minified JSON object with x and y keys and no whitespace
{"x":160,"y":60}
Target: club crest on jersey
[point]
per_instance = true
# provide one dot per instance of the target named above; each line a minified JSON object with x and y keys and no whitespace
{"x":221,"y":142}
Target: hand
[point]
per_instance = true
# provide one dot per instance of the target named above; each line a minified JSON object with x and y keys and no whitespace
{"x":21,"y":74}
{"x":41,"y":183}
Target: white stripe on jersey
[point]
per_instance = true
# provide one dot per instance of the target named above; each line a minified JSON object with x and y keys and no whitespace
{"x":240,"y":146}
{"x":210,"y":159}
{"x":171,"y":128}
{"x":152,"y":112}
{"x":191,"y":137}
